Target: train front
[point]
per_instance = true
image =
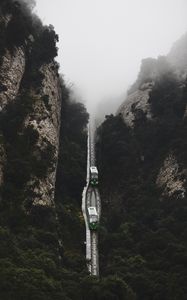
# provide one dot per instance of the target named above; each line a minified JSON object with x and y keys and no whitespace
{"x":93,"y":218}
{"x":93,"y":176}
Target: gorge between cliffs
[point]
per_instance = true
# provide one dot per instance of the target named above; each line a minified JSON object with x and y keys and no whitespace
{"x":141,"y":155}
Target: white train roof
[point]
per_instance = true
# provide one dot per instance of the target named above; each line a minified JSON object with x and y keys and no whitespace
{"x":92,"y":210}
{"x":93,"y":169}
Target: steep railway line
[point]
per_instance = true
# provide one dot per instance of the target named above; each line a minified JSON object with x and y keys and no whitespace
{"x":91,"y":198}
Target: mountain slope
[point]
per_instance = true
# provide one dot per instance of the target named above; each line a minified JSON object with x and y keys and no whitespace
{"x":142,"y":164}
{"x":35,"y":107}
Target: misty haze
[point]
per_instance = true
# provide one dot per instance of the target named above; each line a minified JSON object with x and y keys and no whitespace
{"x":103,"y":42}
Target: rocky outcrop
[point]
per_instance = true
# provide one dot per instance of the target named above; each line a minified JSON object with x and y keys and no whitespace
{"x":171,"y":178}
{"x":136,"y":100}
{"x":45,"y":119}
{"x":158,"y":97}
{"x":28,"y":69}
{"x":139,"y":94}
{"x":11,"y":73}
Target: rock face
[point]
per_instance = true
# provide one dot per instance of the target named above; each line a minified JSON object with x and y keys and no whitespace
{"x":11,"y":73}
{"x":136,"y":100}
{"x":142,"y":162}
{"x":12,"y":70}
{"x":139,"y":94}
{"x":158,"y":95}
{"x":170,"y":177}
{"x":28,"y":71}
{"x":45,"y":119}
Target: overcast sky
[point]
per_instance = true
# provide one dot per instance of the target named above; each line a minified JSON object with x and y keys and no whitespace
{"x":102,"y":42}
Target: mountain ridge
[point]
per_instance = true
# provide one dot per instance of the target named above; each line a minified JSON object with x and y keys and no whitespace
{"x":141,"y":154}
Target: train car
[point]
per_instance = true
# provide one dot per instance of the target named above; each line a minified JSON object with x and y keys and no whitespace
{"x":93,"y":218}
{"x":93,"y":176}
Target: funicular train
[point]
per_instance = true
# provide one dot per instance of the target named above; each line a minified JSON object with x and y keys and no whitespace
{"x":93,"y":218}
{"x":93,"y":176}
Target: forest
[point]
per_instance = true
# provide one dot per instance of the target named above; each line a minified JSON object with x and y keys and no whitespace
{"x":143,"y":233}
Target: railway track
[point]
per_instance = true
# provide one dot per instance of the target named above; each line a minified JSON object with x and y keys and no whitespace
{"x":91,"y":198}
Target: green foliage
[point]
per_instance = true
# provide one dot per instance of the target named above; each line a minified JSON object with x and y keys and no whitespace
{"x":20,"y":25}
{"x":34,"y":263}
{"x":18,"y":29}
{"x":26,"y":30}
{"x":71,"y":172}
{"x":143,"y":233}
{"x":44,"y":49}
{"x":109,"y":288}
{"x":38,"y":255}
{"x":71,"y":175}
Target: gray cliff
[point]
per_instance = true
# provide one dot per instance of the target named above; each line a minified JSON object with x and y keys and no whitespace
{"x":18,"y":61}
{"x":141,"y":100}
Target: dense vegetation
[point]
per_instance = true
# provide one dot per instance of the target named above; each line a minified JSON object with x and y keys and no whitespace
{"x":71,"y":175}
{"x":33,"y":262}
{"x":41,"y":250}
{"x":143,"y":236}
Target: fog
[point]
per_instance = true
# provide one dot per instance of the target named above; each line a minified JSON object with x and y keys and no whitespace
{"x":102,"y":42}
